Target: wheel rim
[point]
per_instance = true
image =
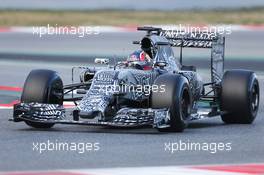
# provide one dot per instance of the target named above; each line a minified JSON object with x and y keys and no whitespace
{"x":55,"y":95}
{"x":184,"y":108}
{"x":255,"y":98}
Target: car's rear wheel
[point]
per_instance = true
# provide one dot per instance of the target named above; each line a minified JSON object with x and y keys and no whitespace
{"x":239,"y":97}
{"x":176,"y":98}
{"x":42,"y":86}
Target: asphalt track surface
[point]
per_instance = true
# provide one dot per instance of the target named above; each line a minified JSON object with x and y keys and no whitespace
{"x":239,"y":45}
{"x":120,"y":147}
{"x":243,"y":48}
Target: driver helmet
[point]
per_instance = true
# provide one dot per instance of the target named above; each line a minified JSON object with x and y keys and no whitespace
{"x":141,"y":56}
{"x":138,"y":55}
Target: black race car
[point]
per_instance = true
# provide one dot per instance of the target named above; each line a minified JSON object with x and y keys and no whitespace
{"x":167,"y":96}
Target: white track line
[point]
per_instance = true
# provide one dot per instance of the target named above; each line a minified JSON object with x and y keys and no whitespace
{"x":21,"y":29}
{"x":165,"y":170}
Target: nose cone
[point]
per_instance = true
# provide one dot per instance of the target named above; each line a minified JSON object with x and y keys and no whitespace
{"x":89,"y":114}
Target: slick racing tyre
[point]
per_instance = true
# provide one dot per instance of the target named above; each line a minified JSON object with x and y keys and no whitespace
{"x":239,"y":97}
{"x":42,"y":86}
{"x":176,"y":98}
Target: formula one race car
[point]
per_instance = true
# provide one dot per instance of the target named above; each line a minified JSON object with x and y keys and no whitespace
{"x":167,"y":95}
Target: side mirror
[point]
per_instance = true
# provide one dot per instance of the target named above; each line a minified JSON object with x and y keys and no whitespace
{"x":101,"y":61}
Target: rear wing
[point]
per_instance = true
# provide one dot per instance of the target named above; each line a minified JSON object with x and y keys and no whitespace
{"x":213,"y":41}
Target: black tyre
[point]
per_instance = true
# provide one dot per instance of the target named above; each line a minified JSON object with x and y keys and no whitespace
{"x":239,"y":96}
{"x":176,"y":97}
{"x":42,"y":86}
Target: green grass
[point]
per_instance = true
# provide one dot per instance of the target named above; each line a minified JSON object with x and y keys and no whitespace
{"x":130,"y":17}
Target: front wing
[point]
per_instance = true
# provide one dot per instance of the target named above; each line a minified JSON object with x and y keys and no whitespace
{"x":54,"y":113}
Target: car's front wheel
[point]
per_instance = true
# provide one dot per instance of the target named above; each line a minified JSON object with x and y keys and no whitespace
{"x":42,"y":86}
{"x":176,"y":98}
